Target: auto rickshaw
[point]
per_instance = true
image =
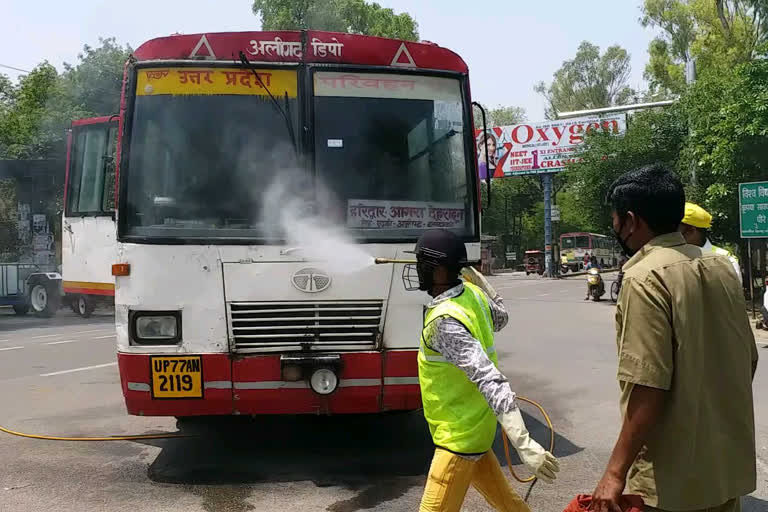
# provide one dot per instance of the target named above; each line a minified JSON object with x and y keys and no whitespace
{"x":534,"y":262}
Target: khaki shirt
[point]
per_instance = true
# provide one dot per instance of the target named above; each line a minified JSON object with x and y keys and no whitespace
{"x":682,"y":326}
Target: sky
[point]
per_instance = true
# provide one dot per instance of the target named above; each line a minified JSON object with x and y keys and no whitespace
{"x":509,"y":45}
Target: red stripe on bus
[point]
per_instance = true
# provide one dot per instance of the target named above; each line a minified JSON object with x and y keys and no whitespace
{"x":401,"y":363}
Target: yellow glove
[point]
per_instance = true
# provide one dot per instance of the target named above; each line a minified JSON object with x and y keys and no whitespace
{"x":476,"y":278}
{"x":539,"y":461}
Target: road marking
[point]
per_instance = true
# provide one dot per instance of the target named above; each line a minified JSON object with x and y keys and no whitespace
{"x":542,"y":295}
{"x":78,"y":369}
{"x":91,"y":331}
{"x":44,"y":336}
{"x":10,"y":348}
{"x":3,"y":341}
{"x":103,"y":337}
{"x":61,"y":342}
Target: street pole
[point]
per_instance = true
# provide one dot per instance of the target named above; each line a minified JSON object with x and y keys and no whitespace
{"x":690,"y":78}
{"x":547,"y":182}
{"x":506,"y":229}
{"x":555,"y":235}
{"x":751,"y":279}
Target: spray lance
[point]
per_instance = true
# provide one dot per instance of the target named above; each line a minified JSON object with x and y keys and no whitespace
{"x":381,"y":261}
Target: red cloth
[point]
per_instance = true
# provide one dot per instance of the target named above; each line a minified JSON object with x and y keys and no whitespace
{"x":628,"y":503}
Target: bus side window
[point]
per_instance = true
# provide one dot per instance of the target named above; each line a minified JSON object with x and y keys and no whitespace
{"x":89,"y":177}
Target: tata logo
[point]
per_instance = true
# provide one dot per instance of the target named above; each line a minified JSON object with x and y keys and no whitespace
{"x":310,"y":280}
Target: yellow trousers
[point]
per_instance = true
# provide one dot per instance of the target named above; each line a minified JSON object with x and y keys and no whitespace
{"x":449,"y":479}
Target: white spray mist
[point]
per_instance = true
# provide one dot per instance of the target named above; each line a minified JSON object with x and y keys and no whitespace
{"x":307,"y":215}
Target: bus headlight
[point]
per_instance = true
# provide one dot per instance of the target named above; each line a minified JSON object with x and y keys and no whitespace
{"x":323,"y":381}
{"x":156,"y":327}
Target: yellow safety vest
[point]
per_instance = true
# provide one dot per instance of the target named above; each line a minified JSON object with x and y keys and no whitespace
{"x":459,"y":418}
{"x":722,"y":252}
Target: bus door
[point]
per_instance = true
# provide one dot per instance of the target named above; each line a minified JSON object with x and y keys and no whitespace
{"x":89,"y":246}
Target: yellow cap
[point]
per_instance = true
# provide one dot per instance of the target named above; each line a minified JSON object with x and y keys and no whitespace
{"x":697,"y":216}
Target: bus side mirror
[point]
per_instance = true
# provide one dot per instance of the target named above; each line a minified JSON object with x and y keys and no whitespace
{"x":488,"y":174}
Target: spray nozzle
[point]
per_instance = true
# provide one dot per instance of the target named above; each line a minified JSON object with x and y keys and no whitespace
{"x":381,"y":261}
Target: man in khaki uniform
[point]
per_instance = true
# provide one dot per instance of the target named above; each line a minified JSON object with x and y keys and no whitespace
{"x":687,"y":356}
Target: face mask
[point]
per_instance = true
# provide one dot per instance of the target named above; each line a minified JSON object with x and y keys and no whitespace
{"x":418,"y":277}
{"x":421,"y":276}
{"x":623,"y":241}
{"x":426,"y":276}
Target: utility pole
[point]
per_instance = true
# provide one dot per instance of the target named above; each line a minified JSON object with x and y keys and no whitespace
{"x":506,"y":228}
{"x":547,"y":185}
{"x":690,"y":78}
{"x":556,"y":235}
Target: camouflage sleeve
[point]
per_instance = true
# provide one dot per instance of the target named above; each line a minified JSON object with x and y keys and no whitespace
{"x":454,"y":342}
{"x":498,"y":313}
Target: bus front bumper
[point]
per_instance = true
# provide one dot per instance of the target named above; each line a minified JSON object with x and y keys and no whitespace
{"x":369,"y":382}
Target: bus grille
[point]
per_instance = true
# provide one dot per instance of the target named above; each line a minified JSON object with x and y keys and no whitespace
{"x":303,"y":325}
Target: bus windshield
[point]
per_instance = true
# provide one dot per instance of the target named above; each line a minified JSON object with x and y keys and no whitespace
{"x":207,"y":147}
{"x":392,"y":149}
{"x":204,"y":144}
{"x":575,"y":242}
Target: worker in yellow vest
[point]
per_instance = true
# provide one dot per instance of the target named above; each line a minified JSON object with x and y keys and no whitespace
{"x":694,"y":227}
{"x":463,"y":392}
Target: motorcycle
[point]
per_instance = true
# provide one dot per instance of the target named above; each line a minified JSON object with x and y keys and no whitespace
{"x":595,"y":283}
{"x":616,"y":287}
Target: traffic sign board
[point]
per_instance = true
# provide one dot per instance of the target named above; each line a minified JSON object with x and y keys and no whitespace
{"x":753,"y":209}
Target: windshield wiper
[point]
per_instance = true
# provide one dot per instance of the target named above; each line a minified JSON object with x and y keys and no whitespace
{"x":285,"y":112}
{"x":447,"y":135}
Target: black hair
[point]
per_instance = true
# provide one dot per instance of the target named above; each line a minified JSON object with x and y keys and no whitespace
{"x":653,"y":193}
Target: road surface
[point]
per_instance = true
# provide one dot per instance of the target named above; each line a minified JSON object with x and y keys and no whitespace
{"x":59,"y":377}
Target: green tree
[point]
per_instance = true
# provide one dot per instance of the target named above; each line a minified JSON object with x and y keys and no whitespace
{"x":94,"y":83}
{"x":35,"y":113}
{"x":352,"y":16}
{"x":664,"y":73}
{"x":499,"y":116}
{"x":29,"y":109}
{"x":589,"y":80}
{"x":729,"y":137}
{"x":718,"y":34}
{"x":506,"y":116}
{"x":652,"y":136}
{"x":505,"y":218}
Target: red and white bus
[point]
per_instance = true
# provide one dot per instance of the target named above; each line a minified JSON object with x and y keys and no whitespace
{"x":88,"y":222}
{"x":224,"y":135}
{"x":577,"y":248}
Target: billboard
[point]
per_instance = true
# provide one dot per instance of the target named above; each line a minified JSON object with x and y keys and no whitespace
{"x":541,"y":147}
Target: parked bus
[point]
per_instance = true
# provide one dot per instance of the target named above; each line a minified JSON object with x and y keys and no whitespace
{"x":575,"y":247}
{"x":89,"y":246}
{"x":216,"y":312}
